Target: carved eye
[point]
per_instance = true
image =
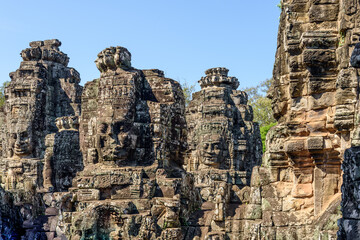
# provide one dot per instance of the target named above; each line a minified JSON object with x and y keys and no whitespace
{"x":24,"y":135}
{"x":103,"y":128}
{"x":13,"y":136}
{"x":206,"y":145}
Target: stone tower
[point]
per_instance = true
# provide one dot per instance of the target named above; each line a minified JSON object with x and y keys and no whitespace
{"x":221,"y":132}
{"x":41,"y":90}
{"x":41,"y":94}
{"x":314,"y":99}
{"x":224,"y":145}
{"x":132,"y":138}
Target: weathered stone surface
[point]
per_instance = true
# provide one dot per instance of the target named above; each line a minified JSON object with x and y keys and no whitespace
{"x":37,"y":156}
{"x":223,"y":148}
{"x":124,"y":158}
{"x":355,"y":56}
{"x":221,"y":134}
{"x":313,"y":97}
{"x":132,"y":138}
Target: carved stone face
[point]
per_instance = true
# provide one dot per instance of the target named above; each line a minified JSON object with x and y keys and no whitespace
{"x":211,"y":150}
{"x":65,"y":182}
{"x":20,"y":143}
{"x":114,"y":140}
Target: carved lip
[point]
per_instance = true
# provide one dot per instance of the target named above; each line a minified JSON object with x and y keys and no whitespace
{"x":21,"y":150}
{"x":210,"y":157}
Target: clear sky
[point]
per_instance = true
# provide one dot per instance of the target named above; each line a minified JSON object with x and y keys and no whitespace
{"x":181,"y":37}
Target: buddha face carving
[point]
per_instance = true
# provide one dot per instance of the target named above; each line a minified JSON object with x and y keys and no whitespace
{"x":115,"y":140}
{"x":20,"y":143}
{"x":211,"y":150}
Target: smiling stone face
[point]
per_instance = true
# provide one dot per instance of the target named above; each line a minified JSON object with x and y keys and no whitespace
{"x":114,"y":141}
{"x":211,"y":150}
{"x":20,"y":143}
{"x":221,"y":132}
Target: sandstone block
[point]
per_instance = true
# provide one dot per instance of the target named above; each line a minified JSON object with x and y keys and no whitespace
{"x":295,"y":146}
{"x":322,"y":100}
{"x":319,"y":13}
{"x":302,"y":190}
{"x":271,"y":204}
{"x":315,"y":143}
{"x":280,"y":219}
{"x":318,"y":56}
{"x":88,"y":194}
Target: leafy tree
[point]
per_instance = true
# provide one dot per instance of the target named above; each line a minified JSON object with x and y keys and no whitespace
{"x":188,"y":90}
{"x":262,"y":107}
{"x":260,"y":103}
{"x":263,"y":131}
{"x":2,"y":93}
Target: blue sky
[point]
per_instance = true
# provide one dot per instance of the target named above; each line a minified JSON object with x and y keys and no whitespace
{"x":181,"y":37}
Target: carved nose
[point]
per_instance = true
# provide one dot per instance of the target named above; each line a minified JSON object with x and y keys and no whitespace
{"x":17,"y":142}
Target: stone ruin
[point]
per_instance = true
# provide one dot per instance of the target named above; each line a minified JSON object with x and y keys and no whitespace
{"x":123,"y":158}
{"x":120,"y":158}
{"x":42,"y":92}
{"x":224,"y":145}
{"x":314,"y":98}
{"x":221,"y":132}
{"x":132,"y":137}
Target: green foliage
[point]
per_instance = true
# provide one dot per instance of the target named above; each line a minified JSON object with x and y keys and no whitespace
{"x":188,"y":90}
{"x":342,"y":38}
{"x":279,"y":5}
{"x":165,"y":225}
{"x":261,"y":107}
{"x":263,"y":131}
{"x":2,"y":93}
{"x":260,"y":103}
